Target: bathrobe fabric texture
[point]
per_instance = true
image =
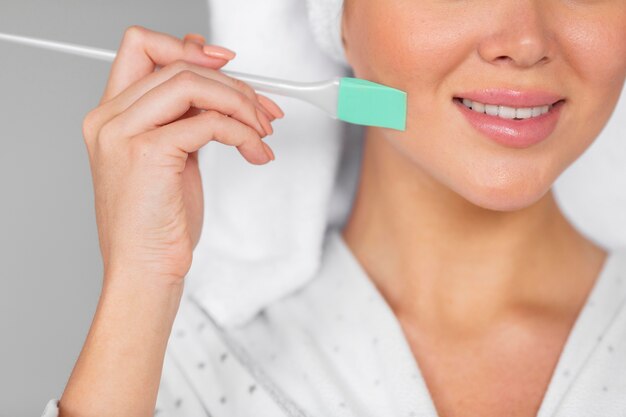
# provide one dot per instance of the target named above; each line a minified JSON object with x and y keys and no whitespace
{"x":334,"y":348}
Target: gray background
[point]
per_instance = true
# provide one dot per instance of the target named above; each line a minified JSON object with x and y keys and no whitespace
{"x":50,"y":266}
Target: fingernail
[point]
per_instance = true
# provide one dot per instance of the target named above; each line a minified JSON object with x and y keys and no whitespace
{"x":218,"y":52}
{"x":195,"y":36}
{"x":268,"y":151}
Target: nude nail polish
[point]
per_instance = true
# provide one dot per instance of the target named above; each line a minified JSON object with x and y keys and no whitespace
{"x":195,"y":37}
{"x":218,"y":52}
{"x":268,"y":151}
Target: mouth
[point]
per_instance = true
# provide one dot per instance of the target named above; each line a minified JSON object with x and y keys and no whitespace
{"x":512,"y":127}
{"x":508,"y":112}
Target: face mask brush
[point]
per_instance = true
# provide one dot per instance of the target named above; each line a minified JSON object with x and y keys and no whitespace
{"x":348,"y":99}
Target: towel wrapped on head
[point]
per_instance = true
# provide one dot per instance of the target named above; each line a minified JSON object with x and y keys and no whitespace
{"x":325,"y":19}
{"x":264,"y":225}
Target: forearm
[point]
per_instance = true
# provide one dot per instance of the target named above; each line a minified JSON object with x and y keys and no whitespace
{"x":119,"y":368}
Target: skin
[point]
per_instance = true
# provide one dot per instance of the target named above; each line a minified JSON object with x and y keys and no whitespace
{"x":462,"y":235}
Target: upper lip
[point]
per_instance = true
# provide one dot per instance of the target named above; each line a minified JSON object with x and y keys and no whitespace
{"x":512,"y":98}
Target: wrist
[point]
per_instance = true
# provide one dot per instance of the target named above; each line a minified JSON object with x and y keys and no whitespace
{"x":138,"y":287}
{"x":130,"y":275}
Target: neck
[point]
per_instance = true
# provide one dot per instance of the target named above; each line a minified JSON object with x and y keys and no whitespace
{"x":438,"y":258}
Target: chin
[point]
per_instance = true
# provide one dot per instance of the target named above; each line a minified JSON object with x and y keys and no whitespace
{"x":505,"y":192}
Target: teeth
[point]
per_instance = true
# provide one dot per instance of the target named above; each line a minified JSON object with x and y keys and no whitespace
{"x":491,"y":109}
{"x":524,"y":113}
{"x":507,"y":112}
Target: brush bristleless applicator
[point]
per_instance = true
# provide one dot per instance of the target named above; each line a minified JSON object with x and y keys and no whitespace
{"x":349,"y":99}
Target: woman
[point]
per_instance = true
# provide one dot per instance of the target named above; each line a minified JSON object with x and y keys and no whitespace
{"x":455,"y":285}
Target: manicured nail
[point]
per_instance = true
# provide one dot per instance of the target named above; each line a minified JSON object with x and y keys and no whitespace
{"x":268,"y":151}
{"x":196,"y":37}
{"x":218,"y":52}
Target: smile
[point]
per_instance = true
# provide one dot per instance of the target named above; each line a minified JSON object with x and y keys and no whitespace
{"x":513,"y":127}
{"x":506,"y":112}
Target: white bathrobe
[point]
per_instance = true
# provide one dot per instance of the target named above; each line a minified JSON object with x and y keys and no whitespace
{"x":334,"y":348}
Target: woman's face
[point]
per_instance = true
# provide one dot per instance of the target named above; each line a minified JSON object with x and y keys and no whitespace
{"x":436,"y":50}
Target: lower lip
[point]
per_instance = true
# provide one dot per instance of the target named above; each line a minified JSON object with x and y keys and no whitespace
{"x":514,"y":133}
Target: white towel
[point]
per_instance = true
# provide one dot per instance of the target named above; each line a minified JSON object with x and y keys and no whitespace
{"x":264,"y":225}
{"x":325,"y":20}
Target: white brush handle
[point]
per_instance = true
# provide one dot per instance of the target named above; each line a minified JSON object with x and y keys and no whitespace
{"x":323,"y":94}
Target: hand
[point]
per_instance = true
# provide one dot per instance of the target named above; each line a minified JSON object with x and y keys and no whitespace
{"x":143,"y":139}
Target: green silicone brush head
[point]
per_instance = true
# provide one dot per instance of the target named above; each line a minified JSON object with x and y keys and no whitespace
{"x":367,"y":103}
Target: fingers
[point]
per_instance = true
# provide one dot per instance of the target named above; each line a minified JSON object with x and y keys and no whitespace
{"x":173,"y":98}
{"x":142,"y":50}
{"x":195,"y":37}
{"x":271,"y":105}
{"x":122,"y":101}
{"x":187,"y":91}
{"x":211,"y":50}
{"x":189,"y":135}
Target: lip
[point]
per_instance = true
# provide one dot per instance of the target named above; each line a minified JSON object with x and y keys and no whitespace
{"x":512,"y":98}
{"x":515,"y":133}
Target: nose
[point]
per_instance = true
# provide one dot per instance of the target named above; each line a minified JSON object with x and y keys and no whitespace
{"x":520,"y":36}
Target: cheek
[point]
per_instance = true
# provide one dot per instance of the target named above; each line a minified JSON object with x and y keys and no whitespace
{"x":404,"y":45}
{"x":594,"y":45}
{"x":592,"y":67}
{"x":415,"y":48}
